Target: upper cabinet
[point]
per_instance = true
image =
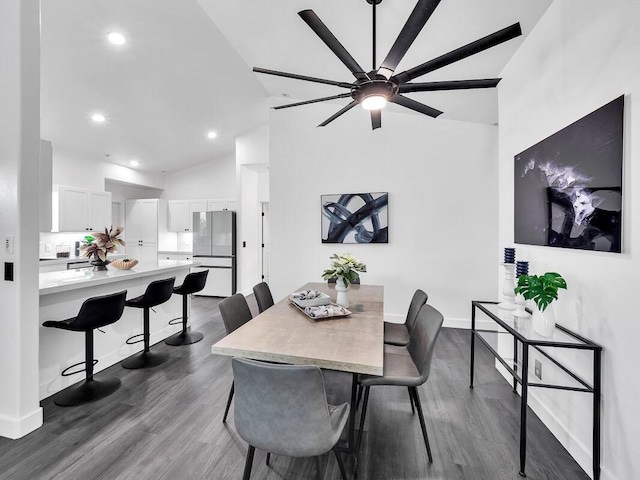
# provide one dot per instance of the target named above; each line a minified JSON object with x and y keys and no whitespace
{"x":142,"y":218}
{"x":219,"y":204}
{"x":80,"y":210}
{"x":181,"y":214}
{"x":181,"y":211}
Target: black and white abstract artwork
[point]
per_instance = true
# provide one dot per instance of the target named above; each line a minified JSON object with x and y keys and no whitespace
{"x":568,"y":187}
{"x":355,"y":218}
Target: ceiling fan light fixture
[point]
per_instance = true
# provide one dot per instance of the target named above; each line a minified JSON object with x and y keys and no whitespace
{"x":374,"y":102}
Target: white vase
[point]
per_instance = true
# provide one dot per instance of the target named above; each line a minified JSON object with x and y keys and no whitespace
{"x":342,"y":288}
{"x":508,"y":295}
{"x":544,"y":323}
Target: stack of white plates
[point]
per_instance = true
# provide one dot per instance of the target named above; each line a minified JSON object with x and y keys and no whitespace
{"x":321,"y":299}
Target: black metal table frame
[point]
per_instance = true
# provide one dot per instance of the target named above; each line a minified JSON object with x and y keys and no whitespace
{"x":523,"y":379}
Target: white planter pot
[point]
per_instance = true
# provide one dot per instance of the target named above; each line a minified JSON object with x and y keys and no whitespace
{"x":342,"y":288}
{"x":544,"y":323}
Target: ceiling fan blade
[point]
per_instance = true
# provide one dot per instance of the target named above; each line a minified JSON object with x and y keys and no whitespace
{"x":323,"y":99}
{"x":376,"y":119}
{"x":302,"y":77}
{"x":333,"y":43}
{"x":411,"y":29}
{"x":472,"y":48}
{"x":337,"y":114}
{"x":450,"y":85}
{"x":416,"y":106}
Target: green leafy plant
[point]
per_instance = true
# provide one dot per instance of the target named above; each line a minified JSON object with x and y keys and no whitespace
{"x":103,"y":243}
{"x":541,"y":289}
{"x":346,"y":266}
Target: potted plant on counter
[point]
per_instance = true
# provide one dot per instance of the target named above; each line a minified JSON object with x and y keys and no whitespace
{"x":345,"y":269}
{"x":102,"y":244}
{"x":543,"y":290}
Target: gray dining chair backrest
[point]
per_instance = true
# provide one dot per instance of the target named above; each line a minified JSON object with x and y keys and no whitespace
{"x":262,"y":292}
{"x":235,"y":312}
{"x":283,"y":409}
{"x":418,"y":300}
{"x":423,"y":339}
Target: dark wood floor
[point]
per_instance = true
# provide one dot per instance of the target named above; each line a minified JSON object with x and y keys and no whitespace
{"x":165,"y":423}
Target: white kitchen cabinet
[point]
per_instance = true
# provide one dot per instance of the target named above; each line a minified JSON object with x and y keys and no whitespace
{"x":219,"y":204}
{"x":181,"y":214}
{"x":141,"y":221}
{"x":145,"y":253}
{"x":80,"y":210}
{"x":174,"y":256}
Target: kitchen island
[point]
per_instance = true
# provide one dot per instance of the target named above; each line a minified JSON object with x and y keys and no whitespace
{"x":61,"y":296}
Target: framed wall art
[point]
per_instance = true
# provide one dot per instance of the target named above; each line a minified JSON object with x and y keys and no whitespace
{"x":568,"y":187}
{"x":355,"y":218}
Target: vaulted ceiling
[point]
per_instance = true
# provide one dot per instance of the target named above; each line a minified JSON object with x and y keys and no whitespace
{"x":186,"y":68}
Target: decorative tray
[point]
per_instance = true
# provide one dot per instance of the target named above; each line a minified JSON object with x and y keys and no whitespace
{"x":321,"y":299}
{"x":344,"y":311}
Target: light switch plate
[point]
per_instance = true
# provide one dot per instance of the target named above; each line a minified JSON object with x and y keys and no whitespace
{"x":8,"y":244}
{"x":537,"y":369}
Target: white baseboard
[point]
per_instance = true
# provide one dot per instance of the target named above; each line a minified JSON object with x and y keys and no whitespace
{"x":15,"y":428}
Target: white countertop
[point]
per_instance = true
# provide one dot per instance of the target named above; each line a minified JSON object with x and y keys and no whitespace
{"x":55,"y":282}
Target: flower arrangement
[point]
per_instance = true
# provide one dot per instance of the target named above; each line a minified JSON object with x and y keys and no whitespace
{"x":103,"y":243}
{"x":541,"y":289}
{"x":346,"y":266}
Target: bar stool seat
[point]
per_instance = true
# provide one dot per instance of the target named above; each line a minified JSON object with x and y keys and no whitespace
{"x":94,"y":313}
{"x":157,"y":292}
{"x":194,"y":282}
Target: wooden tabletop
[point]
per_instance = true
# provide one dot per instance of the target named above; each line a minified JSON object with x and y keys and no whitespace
{"x":283,"y":334}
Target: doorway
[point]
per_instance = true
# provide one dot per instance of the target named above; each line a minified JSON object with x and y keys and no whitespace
{"x":265,"y":242}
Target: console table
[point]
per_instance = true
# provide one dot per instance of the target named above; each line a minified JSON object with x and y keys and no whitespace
{"x":524,"y":339}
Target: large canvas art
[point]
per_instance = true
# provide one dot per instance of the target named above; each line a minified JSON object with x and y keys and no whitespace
{"x":568,"y":187}
{"x":355,"y":218}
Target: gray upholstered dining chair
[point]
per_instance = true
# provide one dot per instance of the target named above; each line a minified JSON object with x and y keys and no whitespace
{"x":283,"y":409}
{"x":399,"y":333}
{"x":408,"y":366}
{"x":235,"y":313}
{"x":262,"y":292}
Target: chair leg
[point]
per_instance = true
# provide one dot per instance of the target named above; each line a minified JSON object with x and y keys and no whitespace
{"x":318,"y":467}
{"x":359,"y":397}
{"x":248,"y":463}
{"x":416,"y":398}
{"x":268,"y":458}
{"x":362,"y":417}
{"x":343,"y":472}
{"x":413,"y":409}
{"x":226,"y":410}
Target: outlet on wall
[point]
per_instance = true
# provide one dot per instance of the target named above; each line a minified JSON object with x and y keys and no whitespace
{"x":537,"y":369}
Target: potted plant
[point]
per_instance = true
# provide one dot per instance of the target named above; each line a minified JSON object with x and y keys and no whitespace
{"x":543,"y":290}
{"x":345,"y":269}
{"x":102,"y":244}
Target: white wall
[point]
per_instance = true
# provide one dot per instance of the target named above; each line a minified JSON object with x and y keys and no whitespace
{"x":20,"y":411}
{"x":214,"y":179}
{"x":252,"y":159}
{"x":441,"y":177}
{"x":580,"y":56}
{"x":73,"y":168}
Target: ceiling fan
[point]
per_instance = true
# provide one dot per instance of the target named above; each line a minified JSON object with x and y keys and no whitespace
{"x":381,"y":85}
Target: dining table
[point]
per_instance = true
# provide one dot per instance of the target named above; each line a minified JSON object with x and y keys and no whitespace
{"x":284,"y":334}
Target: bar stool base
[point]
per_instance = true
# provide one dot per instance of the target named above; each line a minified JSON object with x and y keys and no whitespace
{"x":145,"y":360}
{"x":87,"y":391}
{"x":184,"y":338}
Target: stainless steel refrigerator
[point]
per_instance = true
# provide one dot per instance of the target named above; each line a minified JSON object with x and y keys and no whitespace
{"x":214,"y":246}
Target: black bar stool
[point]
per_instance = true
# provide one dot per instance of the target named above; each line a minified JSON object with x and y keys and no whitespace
{"x":94,"y":313}
{"x":157,"y":293}
{"x":194,"y":282}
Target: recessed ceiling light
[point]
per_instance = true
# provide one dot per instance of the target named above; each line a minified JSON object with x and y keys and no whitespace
{"x":212,"y":135}
{"x":134,"y":163}
{"x":116,"y":38}
{"x":98,"y":117}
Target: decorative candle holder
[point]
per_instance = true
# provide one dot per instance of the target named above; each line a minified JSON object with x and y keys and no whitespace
{"x":508,"y":302}
{"x":522,"y":268}
{"x":509,"y":255}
